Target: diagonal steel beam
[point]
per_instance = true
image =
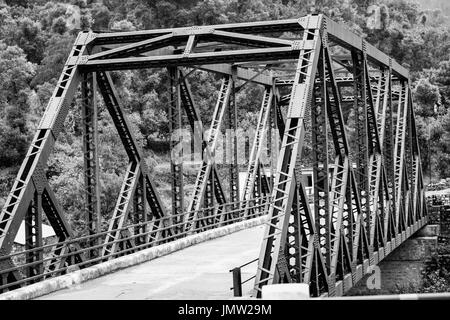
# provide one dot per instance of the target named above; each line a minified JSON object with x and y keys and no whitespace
{"x":133,"y":150}
{"x":257,"y":146}
{"x":137,"y":48}
{"x":174,"y":38}
{"x":123,"y":205}
{"x":51,"y":124}
{"x":399,"y":151}
{"x":246,"y":27}
{"x":338,"y":34}
{"x":247,"y":39}
{"x":207,"y":164}
{"x":292,"y":143}
{"x":196,"y":125}
{"x":62,"y":230}
{"x":136,"y":167}
{"x":195,"y":58}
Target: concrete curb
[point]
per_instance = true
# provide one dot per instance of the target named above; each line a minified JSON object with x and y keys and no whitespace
{"x":61,"y":282}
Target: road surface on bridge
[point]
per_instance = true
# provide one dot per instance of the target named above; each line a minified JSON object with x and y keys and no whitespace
{"x":198,"y":272}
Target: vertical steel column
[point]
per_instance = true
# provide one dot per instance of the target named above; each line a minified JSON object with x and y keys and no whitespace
{"x":271,"y":150}
{"x":383,"y":118}
{"x":383,"y":201}
{"x":399,"y":159}
{"x":232,"y":127}
{"x":293,"y":251}
{"x":360,"y":107}
{"x":388,"y":153}
{"x":257,"y":191}
{"x":209,"y":199}
{"x":237,"y":282}
{"x":409,"y":183}
{"x":91,"y":161}
{"x":140,"y":210}
{"x":33,"y":236}
{"x":374,"y":165}
{"x":176,"y":151}
{"x":419,"y":207}
{"x":272,"y":266}
{"x":319,"y":138}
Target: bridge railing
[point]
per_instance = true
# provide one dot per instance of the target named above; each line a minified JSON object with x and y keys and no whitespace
{"x":237,"y":278}
{"x":84,"y":251}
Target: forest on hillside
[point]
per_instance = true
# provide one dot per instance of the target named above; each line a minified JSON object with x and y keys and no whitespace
{"x":442,"y":5}
{"x":36,"y":37}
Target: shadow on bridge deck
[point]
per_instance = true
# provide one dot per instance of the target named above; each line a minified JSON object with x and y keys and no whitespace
{"x":197,"y":272}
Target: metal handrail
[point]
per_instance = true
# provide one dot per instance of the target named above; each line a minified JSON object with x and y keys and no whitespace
{"x":237,"y":278}
{"x":153,"y":227}
{"x":140,"y":224}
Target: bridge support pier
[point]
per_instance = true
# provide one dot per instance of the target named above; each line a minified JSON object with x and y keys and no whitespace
{"x":403,"y":268}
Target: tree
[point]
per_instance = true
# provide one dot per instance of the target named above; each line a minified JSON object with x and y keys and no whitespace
{"x":123,"y":25}
{"x":59,"y":25}
{"x":14,"y":144}
{"x":167,"y":15}
{"x":15,"y":75}
{"x":25,"y":33}
{"x":427,"y":98}
{"x":101,"y":17}
{"x":443,"y":80}
{"x":55,"y":56}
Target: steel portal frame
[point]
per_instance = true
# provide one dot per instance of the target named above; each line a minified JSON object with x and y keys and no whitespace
{"x":366,"y":202}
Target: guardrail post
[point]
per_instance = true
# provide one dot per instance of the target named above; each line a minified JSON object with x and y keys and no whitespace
{"x":237,"y":282}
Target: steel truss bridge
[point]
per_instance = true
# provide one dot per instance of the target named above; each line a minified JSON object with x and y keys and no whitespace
{"x":368,"y":194}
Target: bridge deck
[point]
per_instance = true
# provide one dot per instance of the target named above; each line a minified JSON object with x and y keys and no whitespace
{"x":198,"y":272}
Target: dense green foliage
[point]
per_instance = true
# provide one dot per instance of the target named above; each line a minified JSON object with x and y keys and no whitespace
{"x":36,"y":37}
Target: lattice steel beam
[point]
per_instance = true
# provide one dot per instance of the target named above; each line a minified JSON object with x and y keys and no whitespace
{"x":204,"y":175}
{"x":31,"y":178}
{"x":136,"y":176}
{"x":213,"y":185}
{"x":90,"y":155}
{"x":254,"y":167}
{"x":176,"y":139}
{"x":232,"y":152}
{"x":283,"y":191}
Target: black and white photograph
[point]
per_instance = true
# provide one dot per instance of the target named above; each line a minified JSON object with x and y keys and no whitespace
{"x":217,"y":158}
